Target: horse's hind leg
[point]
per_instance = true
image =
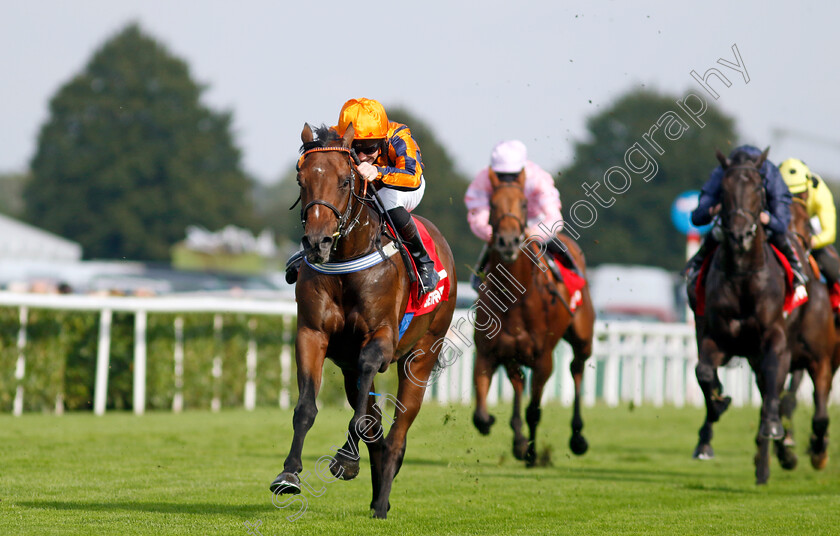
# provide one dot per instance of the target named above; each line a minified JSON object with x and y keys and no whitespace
{"x":822,"y":375}
{"x":482,"y":377}
{"x":582,"y":349}
{"x":520,"y":442}
{"x":786,"y":447}
{"x":709,"y":360}
{"x":541,"y":371}
{"x":414,"y":376}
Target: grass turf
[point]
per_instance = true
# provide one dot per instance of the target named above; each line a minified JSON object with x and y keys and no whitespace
{"x":204,"y":473}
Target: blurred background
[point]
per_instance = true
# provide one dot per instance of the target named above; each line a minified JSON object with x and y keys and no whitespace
{"x":148,"y":147}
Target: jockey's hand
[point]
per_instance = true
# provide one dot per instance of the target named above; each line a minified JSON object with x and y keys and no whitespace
{"x":714,"y":210}
{"x":368,"y":171}
{"x":764,"y":217}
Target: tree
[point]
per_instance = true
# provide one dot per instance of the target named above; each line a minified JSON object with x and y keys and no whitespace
{"x":130,"y":157}
{"x":11,"y":194}
{"x":631,"y":221}
{"x":443,"y":200}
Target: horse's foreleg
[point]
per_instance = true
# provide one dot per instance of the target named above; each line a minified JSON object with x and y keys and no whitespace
{"x":771,"y":373}
{"x":822,"y":375}
{"x":345,"y":463}
{"x":540,"y":373}
{"x":482,"y":377}
{"x":709,"y":359}
{"x":577,"y":442}
{"x":786,"y":447}
{"x":310,"y":352}
{"x":517,"y":380}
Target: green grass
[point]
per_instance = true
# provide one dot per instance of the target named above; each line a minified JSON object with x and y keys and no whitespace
{"x":203,"y":473}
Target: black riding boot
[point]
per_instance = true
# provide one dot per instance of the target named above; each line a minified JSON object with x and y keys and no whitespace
{"x":429,"y":277}
{"x":562,"y":252}
{"x":293,"y":267}
{"x":695,"y":262}
{"x":782,"y":243}
{"x":477,"y":274}
{"x":829,"y":263}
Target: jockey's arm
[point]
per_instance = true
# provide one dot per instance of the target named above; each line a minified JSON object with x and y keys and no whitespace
{"x":709,"y":199}
{"x":779,"y":199}
{"x":824,"y":209}
{"x":404,"y":166}
{"x":477,"y":200}
{"x":543,"y":204}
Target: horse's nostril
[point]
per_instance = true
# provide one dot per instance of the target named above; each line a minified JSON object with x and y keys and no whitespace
{"x":326,"y":241}
{"x":304,"y":242}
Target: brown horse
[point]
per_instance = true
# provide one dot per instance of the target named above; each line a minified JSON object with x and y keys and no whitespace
{"x":744,"y":296}
{"x":534,"y":314}
{"x":816,"y":348}
{"x":354,"y":318}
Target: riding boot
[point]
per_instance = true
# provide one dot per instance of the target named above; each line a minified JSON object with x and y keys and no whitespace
{"x":561,"y":251}
{"x":828,"y":262}
{"x":429,"y":277}
{"x":293,"y":267}
{"x":696,"y":261}
{"x":477,"y":274}
{"x":782,"y":243}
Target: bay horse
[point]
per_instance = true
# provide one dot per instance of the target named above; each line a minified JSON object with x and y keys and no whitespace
{"x":815,"y":348}
{"x":744,"y":313}
{"x":354,"y":318}
{"x":534,"y":314}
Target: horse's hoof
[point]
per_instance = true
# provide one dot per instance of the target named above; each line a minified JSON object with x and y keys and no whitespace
{"x":482,"y":425}
{"x":578,"y":444}
{"x":819,"y":461}
{"x":379,"y":513}
{"x":771,"y":429}
{"x":786,"y":455}
{"x":703,"y":451}
{"x":520,"y":448}
{"x":285,"y":483}
{"x":343,"y":467}
{"x":531,"y":455}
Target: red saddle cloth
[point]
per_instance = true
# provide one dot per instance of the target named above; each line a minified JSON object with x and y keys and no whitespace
{"x":573,"y":282}
{"x":426,"y":304}
{"x":789,"y":305}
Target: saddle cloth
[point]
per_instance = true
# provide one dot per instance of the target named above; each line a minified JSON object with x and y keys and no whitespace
{"x":573,"y":282}
{"x":792,"y":301}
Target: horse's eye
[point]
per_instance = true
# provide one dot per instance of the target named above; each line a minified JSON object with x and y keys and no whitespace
{"x":297,"y":178}
{"x":346,"y":183}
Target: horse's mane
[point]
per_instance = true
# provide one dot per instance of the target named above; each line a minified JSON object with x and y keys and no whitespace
{"x":324,"y":135}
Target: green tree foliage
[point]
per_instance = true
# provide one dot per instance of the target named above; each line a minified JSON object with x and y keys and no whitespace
{"x":637,"y":228}
{"x":443,"y":200}
{"x":11,"y":194}
{"x":130,"y":157}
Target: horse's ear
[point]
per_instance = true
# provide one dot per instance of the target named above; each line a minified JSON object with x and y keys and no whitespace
{"x":306,"y":135}
{"x":762,"y":158}
{"x":348,"y":135}
{"x":724,"y":162}
{"x":494,"y":179}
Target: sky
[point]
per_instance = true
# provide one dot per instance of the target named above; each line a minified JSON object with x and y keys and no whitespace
{"x":475,"y":73}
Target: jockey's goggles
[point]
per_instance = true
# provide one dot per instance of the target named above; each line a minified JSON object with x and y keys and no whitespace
{"x":367,"y":148}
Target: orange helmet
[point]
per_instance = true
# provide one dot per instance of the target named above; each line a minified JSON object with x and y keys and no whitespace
{"x":368,"y":117}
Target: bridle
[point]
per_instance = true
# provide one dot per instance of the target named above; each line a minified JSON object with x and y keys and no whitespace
{"x":754,"y":216}
{"x":351,"y":196}
{"x":504,"y":215}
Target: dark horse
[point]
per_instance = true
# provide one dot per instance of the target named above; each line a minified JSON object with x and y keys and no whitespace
{"x":816,"y":349}
{"x":534,"y":315}
{"x":744,"y":297}
{"x":354,"y":318}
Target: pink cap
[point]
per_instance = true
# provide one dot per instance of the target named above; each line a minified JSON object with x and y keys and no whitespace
{"x":508,"y":157}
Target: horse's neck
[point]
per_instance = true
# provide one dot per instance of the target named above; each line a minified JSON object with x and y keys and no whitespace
{"x":361,"y":237}
{"x":748,"y":261}
{"x":522,"y":271}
